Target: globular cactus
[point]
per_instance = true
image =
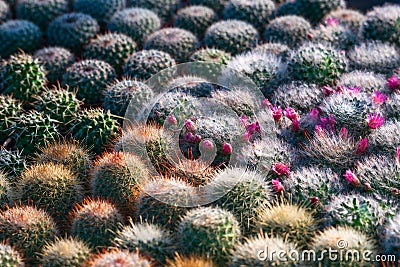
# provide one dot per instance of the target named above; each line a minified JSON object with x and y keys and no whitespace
{"x":9,"y":257}
{"x":12,"y":162}
{"x":232,"y":36}
{"x":55,"y":61}
{"x":390,"y":239}
{"x":278,"y":49}
{"x":95,"y":128}
{"x":195,"y":19}
{"x":72,"y":31}
{"x":238,"y":100}
{"x":151,"y":240}
{"x":193,"y":261}
{"x":4,"y":11}
{"x":368,"y":82}
{"x":374,"y":56}
{"x":289,"y":30}
{"x":116,"y":257}
{"x":392,"y":106}
{"x":191,"y":85}
{"x":68,"y":252}
{"x":209,"y":232}
{"x":10,"y":111}
{"x":113,"y":48}
{"x":137,"y":23}
{"x":315,"y":10}
{"x":179,"y":43}
{"x":163,"y":8}
{"x":22,"y":76}
{"x":89,"y":78}
{"x":16,"y":35}
{"x":146,"y":63}
{"x":217,"y":5}
{"x":96,"y":222}
{"x":386,"y":138}
{"x":211,"y":55}
{"x":246,"y":192}
{"x":353,"y":19}
{"x":100,"y":10}
{"x":288,"y":8}
{"x":28,"y":229}
{"x":51,"y":187}
{"x":41,"y":12}
{"x":338,"y":36}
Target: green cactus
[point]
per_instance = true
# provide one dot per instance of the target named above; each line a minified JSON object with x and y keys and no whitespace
{"x":22,"y":76}
{"x":28,"y":229}
{"x":217,"y":5}
{"x":353,"y":19}
{"x":10,"y":111}
{"x":195,"y":19}
{"x":101,"y":10}
{"x":315,"y":10}
{"x":211,"y":55}
{"x":96,"y":222}
{"x":10,"y":257}
{"x":89,"y":77}
{"x":165,"y":9}
{"x":237,"y":100}
{"x":12,"y":162}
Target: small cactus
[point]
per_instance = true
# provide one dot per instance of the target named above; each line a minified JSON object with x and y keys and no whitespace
{"x":9,"y":257}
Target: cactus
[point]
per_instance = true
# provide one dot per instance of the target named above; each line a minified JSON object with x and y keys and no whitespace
{"x":217,"y":5}
{"x":247,"y":192}
{"x":4,"y":11}
{"x":16,"y":35}
{"x":295,"y":222}
{"x":117,"y":257}
{"x":374,"y":56}
{"x":151,"y":206}
{"x":95,"y":128}
{"x":5,"y":190}
{"x":89,"y":77}
{"x":210,"y":232}
{"x":179,"y":43}
{"x":382,"y":23}
{"x":12,"y":162}
{"x":289,"y":30}
{"x":72,"y":31}
{"x":191,"y":85}
{"x":137,"y":23}
{"x":100,"y":10}
{"x":67,"y":252}
{"x":288,"y":8}
{"x":390,"y":239}
{"x":343,"y":240}
{"x":315,"y":10}
{"x":96,"y":222}
{"x":211,"y":55}
{"x":117,"y":176}
{"x":367,"y":81}
{"x":195,"y":19}
{"x":238,"y":100}
{"x":247,"y":254}
{"x":60,"y":104}
{"x":51,"y":187}
{"x":113,"y":48}
{"x":146,"y":63}
{"x":22,"y":76}
{"x":163,"y":8}
{"x":232,"y":36}
{"x":28,"y":229}
{"x":386,"y":138}
{"x":10,"y":111}
{"x":392,"y":106}
{"x":253,"y":12}
{"x":55,"y":60}
{"x":151,"y":240}
{"x":352,"y":19}
{"x":41,"y":12}
{"x":10,"y":257}
{"x":316,"y":63}
{"x":193,"y":261}
{"x":338,"y":36}
{"x":281,"y":50}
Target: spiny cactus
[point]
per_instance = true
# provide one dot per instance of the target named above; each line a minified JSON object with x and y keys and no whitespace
{"x":22,"y":76}
{"x":254,"y":12}
{"x":101,"y":10}
{"x":10,"y":111}
{"x":278,"y":49}
{"x":89,"y":77}
{"x":179,"y":43}
{"x":392,"y":105}
{"x":211,"y":232}
{"x":55,"y":60}
{"x":382,"y":23}
{"x":28,"y":229}
{"x":96,"y":128}
{"x":116,"y":257}
{"x":4,"y":11}
{"x":390,"y":239}
{"x":193,"y":261}
{"x":288,"y":8}
{"x":353,"y":19}
{"x":151,"y":240}
{"x":191,"y":85}
{"x":51,"y":187}
{"x":232,"y":36}
{"x":41,"y":12}
{"x":137,"y":23}
{"x":338,"y":36}
{"x":247,"y":192}
{"x":12,"y":162}
{"x":146,"y":63}
{"x":238,"y":100}
{"x":374,"y":56}
{"x":163,"y":8}
{"x":367,"y":81}
{"x":316,"y":63}
{"x":9,"y":257}
{"x":195,"y":19}
{"x":96,"y":222}
{"x":288,"y":30}
{"x":387,"y":137}
{"x":72,"y":31}
{"x":211,"y":55}
{"x":16,"y":35}
{"x":5,"y":190}
{"x":70,"y":153}
{"x":217,"y":5}
{"x":315,"y":10}
{"x":68,"y":252}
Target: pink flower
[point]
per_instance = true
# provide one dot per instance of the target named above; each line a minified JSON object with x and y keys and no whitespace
{"x":226,"y":148}
{"x":281,"y":169}
{"x":327,"y":90}
{"x":196,"y":138}
{"x":277,"y":113}
{"x":265,"y":103}
{"x":189,"y":137}
{"x":331,"y":21}
{"x":348,"y":90}
{"x":277,"y":186}
{"x":207,"y":145}
{"x":319,"y":130}
{"x":314,"y":200}
{"x":375,"y":120}
{"x":328,"y":123}
{"x":362,"y":146}
{"x":393,"y":82}
{"x":314,"y":114}
{"x":171,"y":119}
{"x":243,"y":120}
{"x":352,"y":178}
{"x":378,"y":97}
{"x":398,"y":154}
{"x":246,"y":137}
{"x":189,"y":125}
{"x":291,"y":113}
{"x":344,"y":133}
{"x":251,"y":128}
{"x":295,"y":125}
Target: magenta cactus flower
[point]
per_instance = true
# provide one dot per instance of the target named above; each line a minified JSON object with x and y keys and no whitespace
{"x":393,"y":82}
{"x":189,"y":125}
{"x":314,"y":200}
{"x":277,"y":186}
{"x":378,"y":97}
{"x":281,"y":169}
{"x":277,"y":113}
{"x":188,"y":137}
{"x":352,"y":178}
{"x":227,"y":148}
{"x":246,"y":137}
{"x":328,"y":123}
{"x":362,"y":145}
{"x":398,"y":154}
{"x":265,"y":103}
{"x":296,"y":125}
{"x":327,"y":90}
{"x":207,"y":145}
{"x":291,"y":113}
{"x":171,"y":119}
{"x":344,"y":133}
{"x":331,"y":21}
{"x":375,"y":120}
{"x":314,"y":114}
{"x":243,"y":119}
{"x":319,"y":130}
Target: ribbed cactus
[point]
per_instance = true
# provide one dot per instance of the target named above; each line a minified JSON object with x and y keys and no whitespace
{"x":101,"y":10}
{"x":12,"y":162}
{"x":10,"y":111}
